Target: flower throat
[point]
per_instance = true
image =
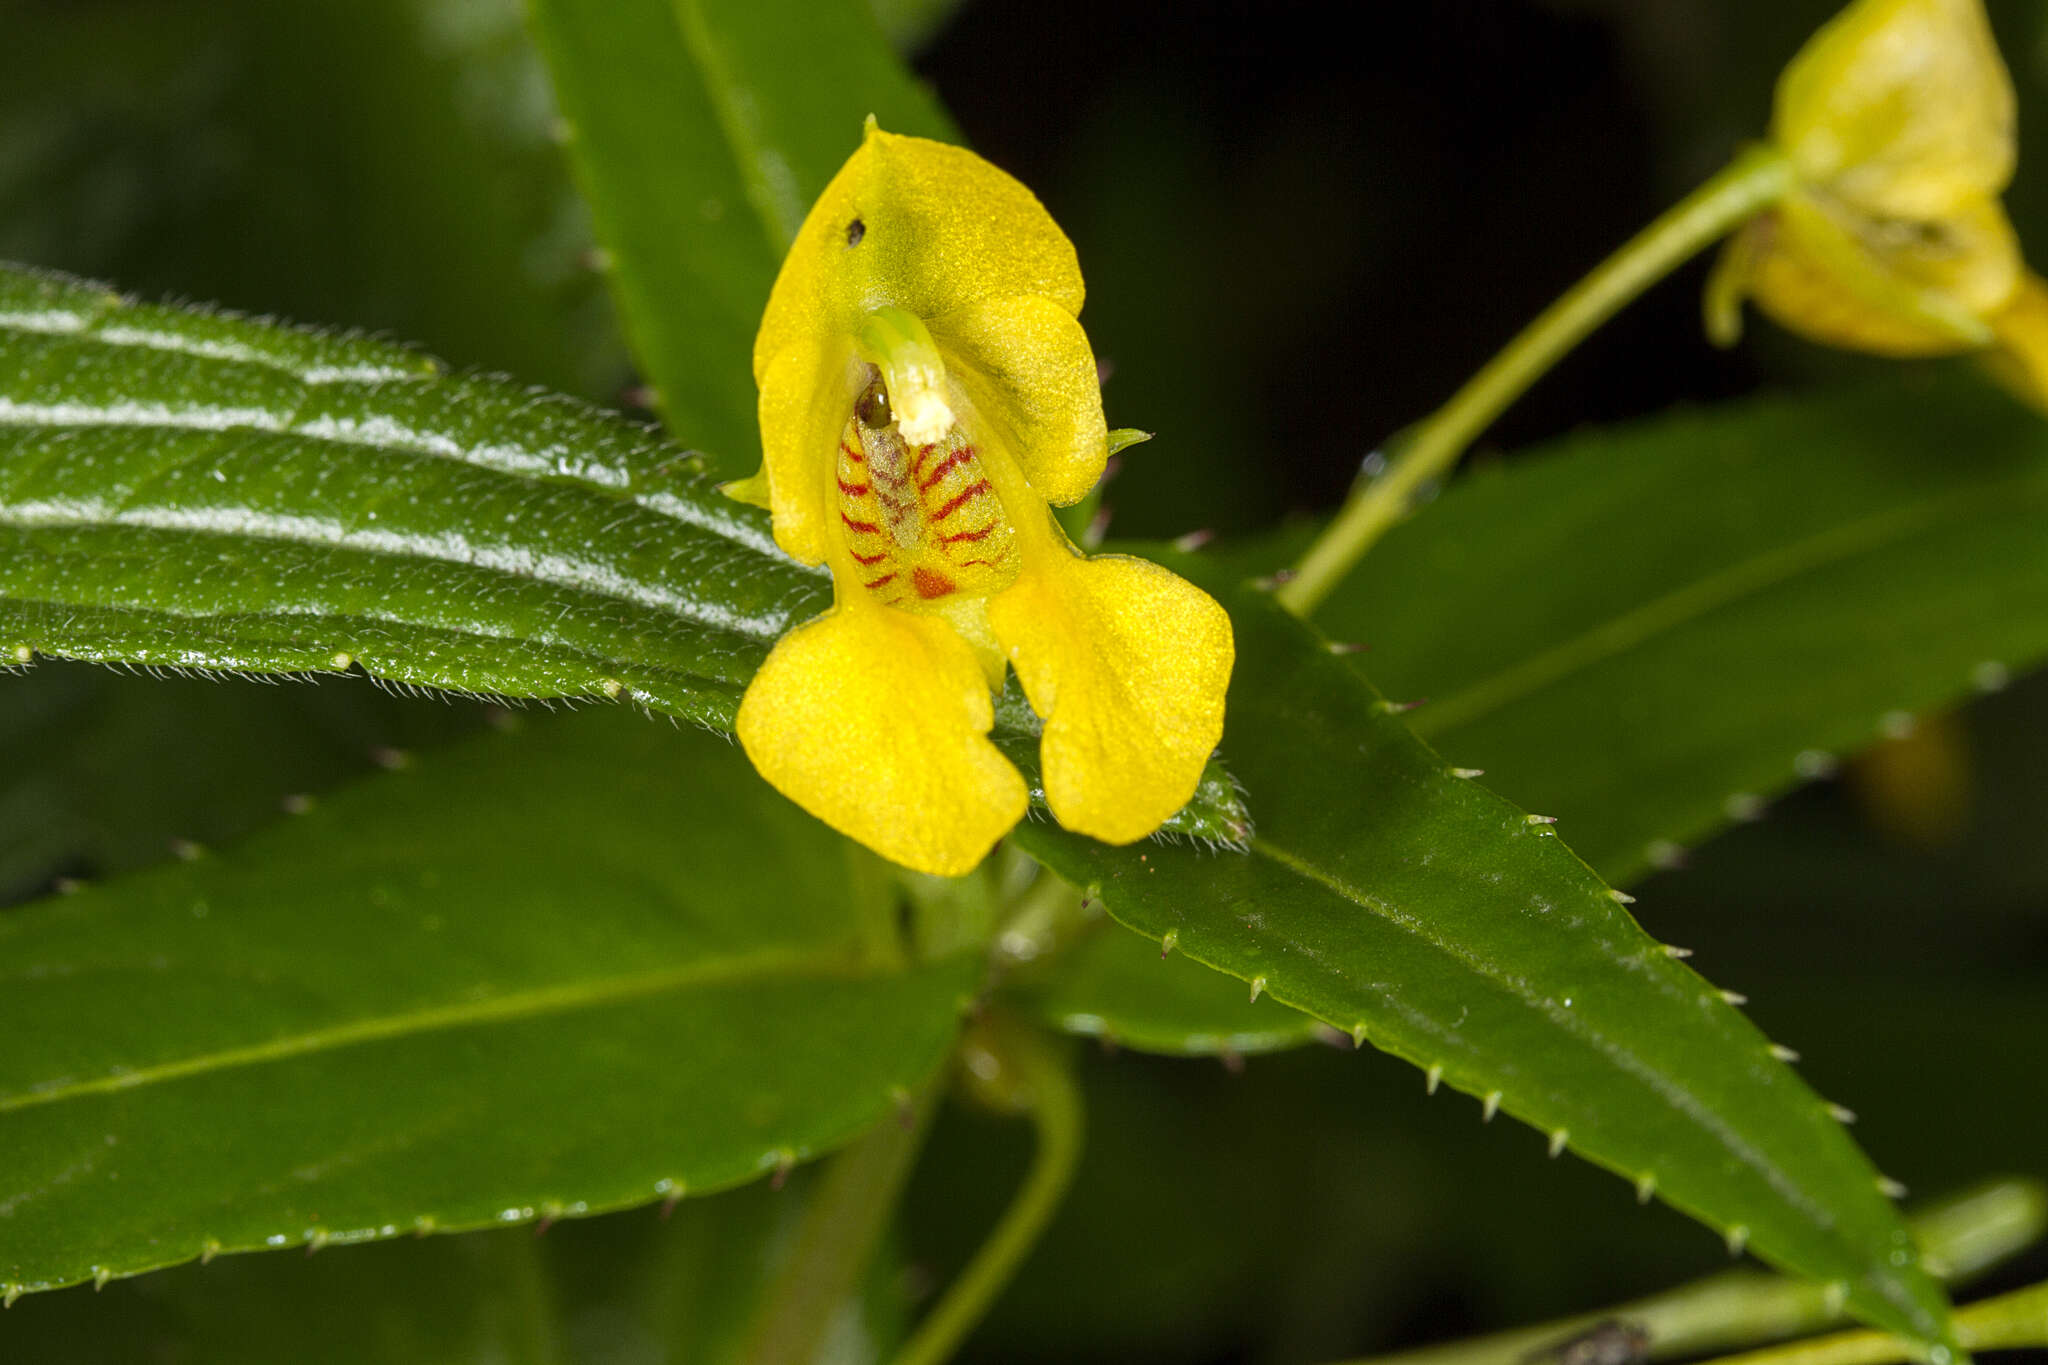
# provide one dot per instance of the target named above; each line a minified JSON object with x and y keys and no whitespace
{"x":923,"y":523}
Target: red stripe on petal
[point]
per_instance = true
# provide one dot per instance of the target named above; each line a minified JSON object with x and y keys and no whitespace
{"x":961,"y":499}
{"x":958,"y":457}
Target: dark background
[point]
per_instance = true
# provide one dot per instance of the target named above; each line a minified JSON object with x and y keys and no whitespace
{"x":1302,"y":226}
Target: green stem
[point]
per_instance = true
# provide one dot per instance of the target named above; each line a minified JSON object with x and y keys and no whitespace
{"x":841,"y":1229}
{"x":1753,"y":180}
{"x":1040,"y":1080}
{"x":1960,"y":1237}
{"x":2012,"y":1321}
{"x":1042,"y":921}
{"x":536,"y":1316}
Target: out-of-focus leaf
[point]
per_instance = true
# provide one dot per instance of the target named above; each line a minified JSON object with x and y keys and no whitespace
{"x":1390,"y":897}
{"x":1647,"y":631}
{"x":385,"y":164}
{"x":687,"y":1285}
{"x":908,"y":24}
{"x":101,"y":773}
{"x":626,"y":1289}
{"x":700,"y":131}
{"x":579,"y":967}
{"x":474,"y":1300}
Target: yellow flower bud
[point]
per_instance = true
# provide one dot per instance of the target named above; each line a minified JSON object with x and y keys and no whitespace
{"x":1897,"y":118}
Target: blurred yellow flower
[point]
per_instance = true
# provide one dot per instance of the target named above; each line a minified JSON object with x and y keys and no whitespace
{"x":1897,"y":118}
{"x":926,"y":392}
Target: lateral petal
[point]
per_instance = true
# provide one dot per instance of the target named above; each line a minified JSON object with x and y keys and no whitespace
{"x":1128,"y":664}
{"x":1827,"y":280}
{"x":1027,"y":369}
{"x":807,"y":391}
{"x":2020,"y":360}
{"x":876,"y":722}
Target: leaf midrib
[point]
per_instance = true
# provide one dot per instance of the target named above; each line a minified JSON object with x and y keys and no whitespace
{"x":778,"y":221}
{"x":215,"y":421}
{"x":94,"y":331}
{"x":93,"y":327}
{"x":1631,"y":629}
{"x":505,"y":559}
{"x":563,"y":999}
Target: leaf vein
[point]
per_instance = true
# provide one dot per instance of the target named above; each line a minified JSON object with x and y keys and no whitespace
{"x":515,"y":1007}
{"x":1747,"y":578}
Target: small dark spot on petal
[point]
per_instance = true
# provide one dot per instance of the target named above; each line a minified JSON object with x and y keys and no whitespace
{"x":855,"y":230}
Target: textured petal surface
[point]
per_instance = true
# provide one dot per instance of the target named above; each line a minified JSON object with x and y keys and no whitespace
{"x":806,"y":394}
{"x":1027,"y":369}
{"x":876,"y":722}
{"x":1902,"y":107}
{"x":1843,"y":281}
{"x":1128,"y":664}
{"x":917,"y":224}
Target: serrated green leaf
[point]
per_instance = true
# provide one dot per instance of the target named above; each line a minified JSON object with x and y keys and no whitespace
{"x":197,"y":491}
{"x":1123,"y":990}
{"x":1647,"y":631}
{"x":582,"y":966}
{"x":1398,"y":901}
{"x":473,"y":1300}
{"x":700,"y":132}
{"x":674,"y":1284}
{"x":185,"y":490}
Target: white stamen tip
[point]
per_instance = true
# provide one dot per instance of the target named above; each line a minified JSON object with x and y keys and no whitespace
{"x":924,"y":418}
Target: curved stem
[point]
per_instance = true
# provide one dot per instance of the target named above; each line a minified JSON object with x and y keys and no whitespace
{"x":1749,"y":183}
{"x":2009,"y":1322}
{"x":1960,"y":1238}
{"x":843,"y":1224}
{"x":1042,"y":1081}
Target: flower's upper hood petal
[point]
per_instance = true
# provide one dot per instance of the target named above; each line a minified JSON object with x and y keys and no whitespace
{"x":920,"y":225}
{"x":1901,"y":107}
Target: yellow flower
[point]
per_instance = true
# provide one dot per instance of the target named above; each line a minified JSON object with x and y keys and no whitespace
{"x":926,"y":392}
{"x":1897,"y":118}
